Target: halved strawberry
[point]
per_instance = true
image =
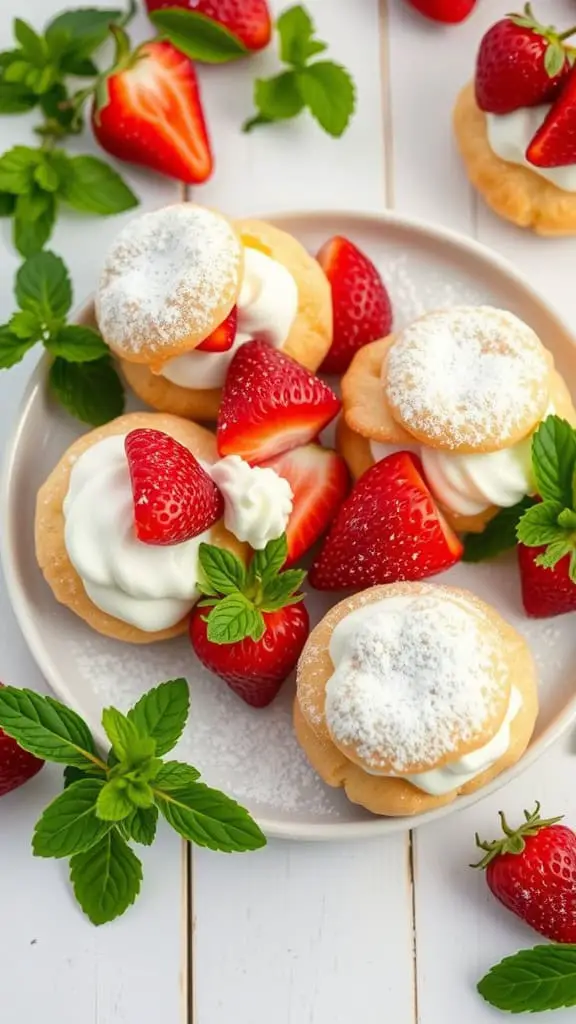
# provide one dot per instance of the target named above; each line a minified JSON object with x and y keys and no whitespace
{"x":270,"y":404}
{"x":388,"y":529}
{"x":360,"y":303}
{"x":174,"y":498}
{"x":16,"y":764}
{"x":223,"y":337}
{"x":554,"y":144}
{"x":319,"y":480}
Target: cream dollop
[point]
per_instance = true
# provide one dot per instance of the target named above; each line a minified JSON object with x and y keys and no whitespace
{"x":257,"y":501}
{"x":148,"y":586}
{"x":509,"y":136}
{"x":267,"y":306}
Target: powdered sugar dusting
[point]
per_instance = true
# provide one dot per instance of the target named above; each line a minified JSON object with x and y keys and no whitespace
{"x":468,"y":375}
{"x":414,"y":679}
{"x":164,"y":276}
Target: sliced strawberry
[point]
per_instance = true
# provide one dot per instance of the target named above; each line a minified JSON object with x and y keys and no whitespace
{"x":16,"y":765}
{"x":360,"y":303}
{"x":554,"y":144}
{"x":150,"y":113}
{"x":389,"y":529}
{"x":174,"y":498}
{"x":320,"y":481}
{"x":223,"y":337}
{"x":545,"y":592}
{"x":270,"y":404}
{"x":249,"y":20}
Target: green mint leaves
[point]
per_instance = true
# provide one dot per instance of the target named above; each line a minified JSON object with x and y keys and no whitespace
{"x":533,"y":980}
{"x":82,"y":376}
{"x":323,"y":87}
{"x":198,"y":36}
{"x":39,"y":180}
{"x":498,"y":536}
{"x":106,"y":804}
{"x":237,"y":597}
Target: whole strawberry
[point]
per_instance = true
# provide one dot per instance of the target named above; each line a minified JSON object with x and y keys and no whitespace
{"x":448,"y":11}
{"x":546,"y":591}
{"x":249,"y":20}
{"x":252,"y":625}
{"x":16,"y":765}
{"x":520,"y":63}
{"x":532,"y":871}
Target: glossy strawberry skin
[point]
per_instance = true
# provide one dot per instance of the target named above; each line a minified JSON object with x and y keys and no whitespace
{"x":174,"y":498}
{"x":248,"y":19}
{"x":255,"y":670}
{"x":320,"y":481}
{"x":153,"y":116}
{"x":361,"y":307}
{"x":554,"y":144}
{"x":448,"y":11}
{"x":17,"y":766}
{"x":388,"y":529}
{"x":270,"y":404}
{"x":510,"y":70}
{"x":539,"y":884}
{"x":545,"y":592}
{"x":222,"y":339}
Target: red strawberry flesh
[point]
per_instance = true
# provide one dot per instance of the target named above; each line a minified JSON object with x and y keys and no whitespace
{"x":222,"y":338}
{"x":554,"y":144}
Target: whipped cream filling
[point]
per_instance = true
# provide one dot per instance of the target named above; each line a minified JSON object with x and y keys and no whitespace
{"x":257,"y":501}
{"x":509,"y":136}
{"x":148,"y":586}
{"x":267,"y":306}
{"x":415,"y":668}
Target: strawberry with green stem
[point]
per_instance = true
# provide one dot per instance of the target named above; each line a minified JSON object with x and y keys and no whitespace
{"x":256,"y":626}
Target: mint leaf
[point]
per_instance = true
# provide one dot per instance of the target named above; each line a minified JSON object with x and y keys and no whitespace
{"x":77,"y":344}
{"x":295,"y":28}
{"x":16,"y":98}
{"x":46,"y":176}
{"x":69,"y":824}
{"x":162,"y":713}
{"x":498,"y":536}
{"x":267,"y":563}
{"x":33,"y":222}
{"x":141,"y":825}
{"x":140,"y":793}
{"x":82,"y":67}
{"x":106,"y":879}
{"x":73,"y":774}
{"x":17,"y":169}
{"x":92,"y":186}
{"x":43,"y":286}
{"x":62,"y":118}
{"x":224,"y":572}
{"x":46,"y":728}
{"x":208,"y":818}
{"x":12,"y":348}
{"x":328,"y":91}
{"x":175,"y":775}
{"x":278,"y":98}
{"x":556,"y":550}
{"x":567,"y":519}
{"x":199,"y":37}
{"x":26,"y":326}
{"x":7,"y":203}
{"x":539,"y":525}
{"x":124,"y":736}
{"x":32,"y":45}
{"x":113,"y":803}
{"x":554,"y":459}
{"x":233,"y":619}
{"x":281,"y":591}
{"x":90,"y":391}
{"x":82,"y":31}
{"x":533,"y":980}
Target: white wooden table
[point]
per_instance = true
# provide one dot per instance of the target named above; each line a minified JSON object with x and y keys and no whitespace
{"x":393,"y":931}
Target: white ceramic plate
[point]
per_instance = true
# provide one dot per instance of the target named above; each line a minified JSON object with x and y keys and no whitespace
{"x":253,"y":754}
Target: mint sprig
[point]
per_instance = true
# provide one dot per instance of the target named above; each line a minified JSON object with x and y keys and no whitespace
{"x":82,"y":376}
{"x":498,"y":536}
{"x":533,"y":980}
{"x":238,"y":597}
{"x":109,"y":802}
{"x":323,"y":87}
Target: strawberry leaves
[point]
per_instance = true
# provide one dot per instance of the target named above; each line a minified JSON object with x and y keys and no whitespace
{"x":533,"y":980}
{"x":323,"y":87}
{"x":199,"y":37}
{"x":107,"y":804}
{"x":238,"y":598}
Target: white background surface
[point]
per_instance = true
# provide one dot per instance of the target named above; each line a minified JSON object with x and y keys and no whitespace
{"x":396,"y":930}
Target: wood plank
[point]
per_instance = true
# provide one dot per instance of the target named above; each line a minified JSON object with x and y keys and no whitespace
{"x":55,"y":965}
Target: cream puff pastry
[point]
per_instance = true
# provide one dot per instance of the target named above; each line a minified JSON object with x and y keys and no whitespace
{"x":171,"y":279}
{"x":465,"y":388}
{"x":410,"y":694}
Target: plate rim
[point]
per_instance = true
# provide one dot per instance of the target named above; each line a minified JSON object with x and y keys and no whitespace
{"x":274,"y":828}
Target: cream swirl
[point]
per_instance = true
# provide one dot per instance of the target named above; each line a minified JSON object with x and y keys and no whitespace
{"x":257,"y":501}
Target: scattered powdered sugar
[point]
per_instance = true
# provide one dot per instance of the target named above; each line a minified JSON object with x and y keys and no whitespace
{"x":468,"y":373}
{"x":164,"y":276}
{"x":414,"y":679}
